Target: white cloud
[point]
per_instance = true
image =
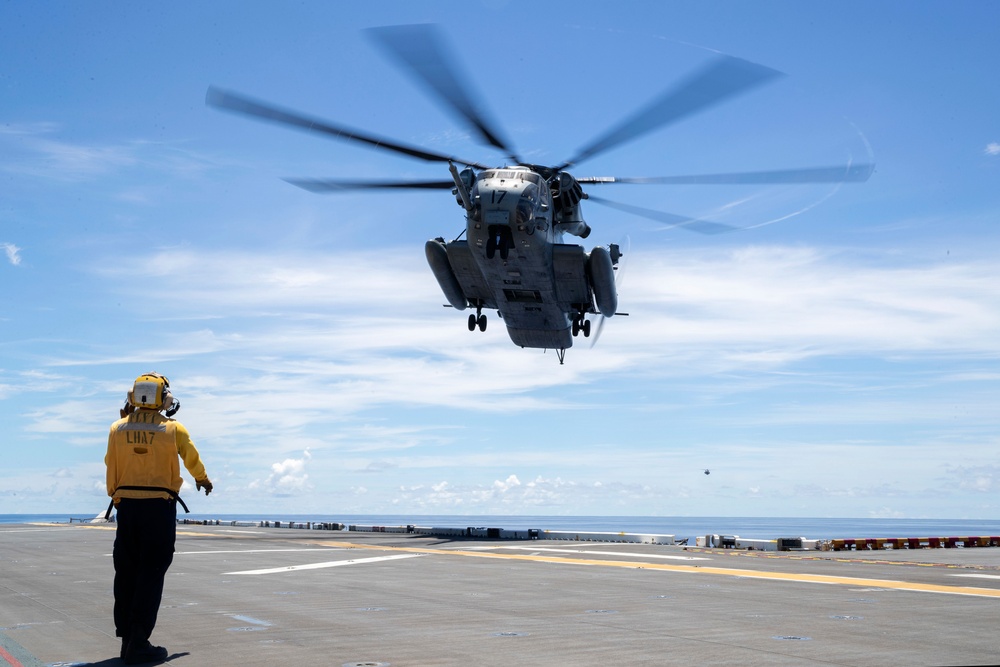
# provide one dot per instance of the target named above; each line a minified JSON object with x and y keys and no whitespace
{"x":287,"y":477}
{"x":511,"y":496}
{"x":378,"y":467}
{"x":28,"y":129}
{"x":66,"y":161}
{"x":781,"y":304}
{"x":983,"y":478}
{"x":376,"y":373}
{"x":31,"y":149}
{"x":743,"y":320}
{"x":71,"y":416}
{"x":77,"y":487}
{"x":13,"y":253}
{"x":992,"y":148}
{"x":754,"y":306}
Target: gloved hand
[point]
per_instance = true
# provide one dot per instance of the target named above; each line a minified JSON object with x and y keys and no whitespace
{"x":204,"y":484}
{"x":126,"y":410}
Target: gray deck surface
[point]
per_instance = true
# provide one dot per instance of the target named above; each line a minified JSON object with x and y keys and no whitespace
{"x":241,"y":596}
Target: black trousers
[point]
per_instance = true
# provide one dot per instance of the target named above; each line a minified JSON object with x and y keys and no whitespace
{"x":144,"y":549}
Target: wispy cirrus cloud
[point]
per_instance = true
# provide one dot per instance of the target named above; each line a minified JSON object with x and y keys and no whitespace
{"x":13,"y":253}
{"x":28,"y":129}
{"x":773,"y":298}
{"x":350,"y":354}
{"x":823,"y":301}
{"x":39,"y":150}
{"x":992,"y":148}
{"x":328,"y":344}
{"x":747,"y":308}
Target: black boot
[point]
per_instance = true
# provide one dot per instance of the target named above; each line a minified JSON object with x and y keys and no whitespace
{"x":142,"y":652}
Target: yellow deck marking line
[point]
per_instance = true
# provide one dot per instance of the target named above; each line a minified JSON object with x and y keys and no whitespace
{"x":663,"y":567}
{"x":697,"y":569}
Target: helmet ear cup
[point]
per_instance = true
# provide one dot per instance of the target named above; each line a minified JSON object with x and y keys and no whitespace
{"x":168,"y":403}
{"x":171,"y":405}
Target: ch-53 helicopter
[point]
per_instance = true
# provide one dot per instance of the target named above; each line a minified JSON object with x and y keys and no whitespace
{"x":514,"y":259}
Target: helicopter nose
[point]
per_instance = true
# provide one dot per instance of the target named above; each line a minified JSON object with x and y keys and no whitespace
{"x":498,"y":217}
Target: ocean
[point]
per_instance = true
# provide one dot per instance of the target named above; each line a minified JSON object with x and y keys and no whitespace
{"x":680,"y":527}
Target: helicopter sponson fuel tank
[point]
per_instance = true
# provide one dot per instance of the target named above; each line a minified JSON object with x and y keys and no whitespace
{"x":437,"y":257}
{"x":601,"y":272}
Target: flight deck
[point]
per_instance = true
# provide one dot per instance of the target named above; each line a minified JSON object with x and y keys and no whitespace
{"x":264,"y":596}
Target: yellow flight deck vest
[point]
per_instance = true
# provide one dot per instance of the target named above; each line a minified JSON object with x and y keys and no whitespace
{"x":143,"y":450}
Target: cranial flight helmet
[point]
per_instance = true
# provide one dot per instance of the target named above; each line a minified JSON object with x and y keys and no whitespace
{"x":152,"y":391}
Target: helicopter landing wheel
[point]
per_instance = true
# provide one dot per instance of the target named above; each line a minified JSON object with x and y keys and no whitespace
{"x":576,"y":326}
{"x":585,"y":327}
{"x":472,"y":322}
{"x":481,"y":321}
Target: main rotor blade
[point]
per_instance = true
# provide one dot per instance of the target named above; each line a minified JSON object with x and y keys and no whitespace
{"x":725,"y":77}
{"x":328,"y":185}
{"x":244,"y":105}
{"x":421,"y":50}
{"x":857,"y":173}
{"x":694,"y":224}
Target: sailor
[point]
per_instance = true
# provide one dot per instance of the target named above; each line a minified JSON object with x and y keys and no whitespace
{"x":143,"y":478}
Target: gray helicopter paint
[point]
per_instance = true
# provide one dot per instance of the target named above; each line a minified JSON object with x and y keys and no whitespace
{"x":537,"y":283}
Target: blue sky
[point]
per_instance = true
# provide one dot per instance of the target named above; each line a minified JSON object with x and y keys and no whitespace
{"x":837,"y":359}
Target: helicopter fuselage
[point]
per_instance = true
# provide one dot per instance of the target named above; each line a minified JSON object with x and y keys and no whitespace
{"x":515,"y":261}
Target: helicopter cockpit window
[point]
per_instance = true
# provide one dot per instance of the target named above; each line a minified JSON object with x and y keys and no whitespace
{"x":468,"y":177}
{"x":476,"y":213}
